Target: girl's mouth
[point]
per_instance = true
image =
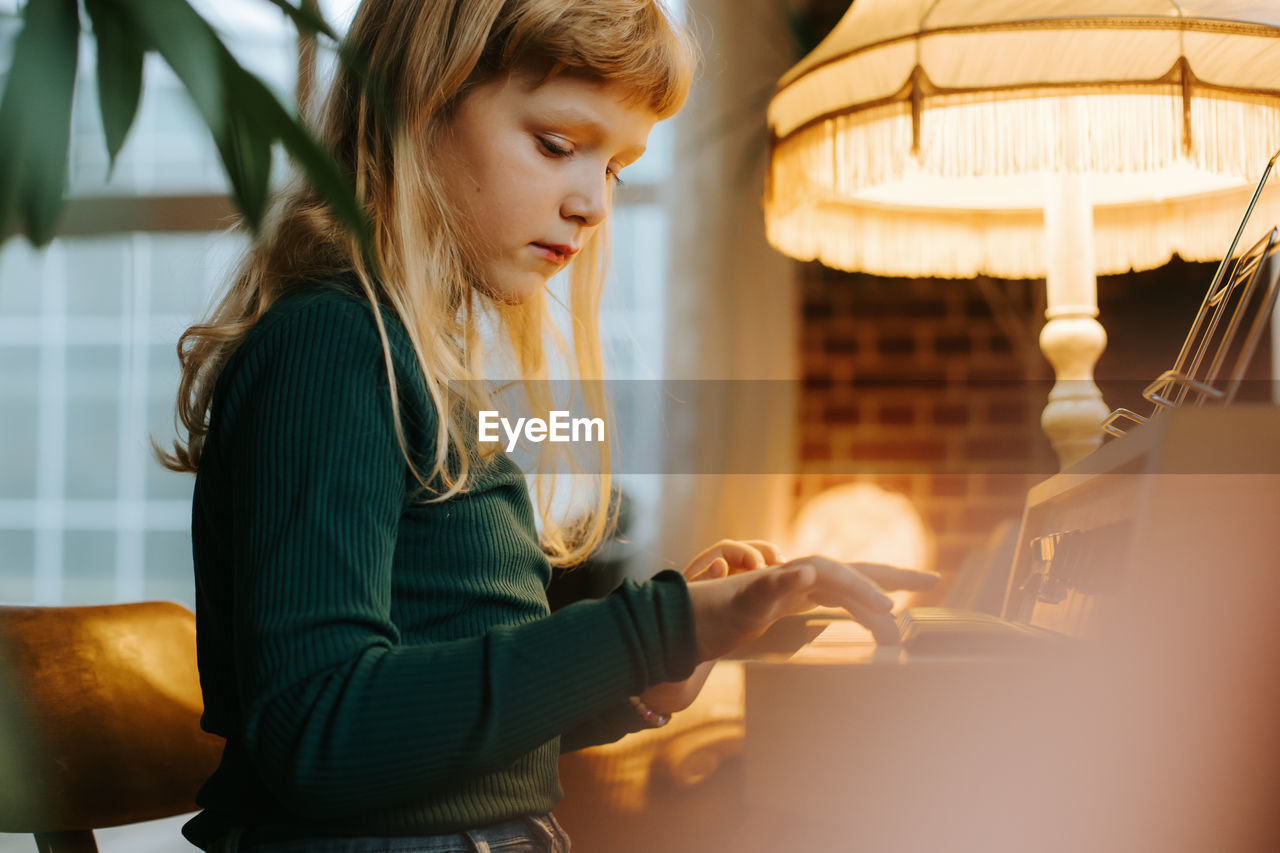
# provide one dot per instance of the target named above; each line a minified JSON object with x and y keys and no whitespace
{"x":554,"y":253}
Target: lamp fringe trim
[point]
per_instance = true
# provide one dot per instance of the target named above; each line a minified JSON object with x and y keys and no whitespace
{"x":963,"y":244}
{"x":813,"y":209}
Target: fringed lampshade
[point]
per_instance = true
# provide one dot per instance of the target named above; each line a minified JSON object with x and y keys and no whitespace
{"x":1028,"y":138}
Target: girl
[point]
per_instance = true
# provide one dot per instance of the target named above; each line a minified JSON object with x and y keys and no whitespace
{"x":374,"y":636}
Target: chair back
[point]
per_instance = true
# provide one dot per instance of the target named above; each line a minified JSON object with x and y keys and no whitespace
{"x":104,"y":704}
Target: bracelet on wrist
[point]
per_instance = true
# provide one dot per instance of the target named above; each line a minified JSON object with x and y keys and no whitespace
{"x":650,"y":716}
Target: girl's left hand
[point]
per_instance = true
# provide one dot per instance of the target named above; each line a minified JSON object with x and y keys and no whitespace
{"x":726,"y":557}
{"x":731,"y":556}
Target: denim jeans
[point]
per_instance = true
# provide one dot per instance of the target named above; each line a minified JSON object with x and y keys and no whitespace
{"x":533,"y":834}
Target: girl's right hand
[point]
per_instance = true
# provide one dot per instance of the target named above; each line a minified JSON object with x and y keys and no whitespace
{"x":729,"y":611}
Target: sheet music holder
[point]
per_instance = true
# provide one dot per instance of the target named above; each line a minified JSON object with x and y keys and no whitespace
{"x":1226,"y":331}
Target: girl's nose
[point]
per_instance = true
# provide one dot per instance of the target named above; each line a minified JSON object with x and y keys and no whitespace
{"x":588,"y":204}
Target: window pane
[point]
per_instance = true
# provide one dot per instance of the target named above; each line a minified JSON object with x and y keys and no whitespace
{"x":162,"y":391}
{"x":17,"y":564}
{"x":93,"y":405}
{"x":632,"y":315}
{"x":95,"y":276}
{"x":20,"y":272}
{"x":186,"y":268}
{"x":339,"y":13}
{"x":655,"y":165}
{"x":88,"y":566}
{"x":170,"y":575}
{"x":19,"y":371}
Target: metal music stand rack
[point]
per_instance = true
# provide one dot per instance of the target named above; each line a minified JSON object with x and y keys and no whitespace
{"x":1225,"y":333}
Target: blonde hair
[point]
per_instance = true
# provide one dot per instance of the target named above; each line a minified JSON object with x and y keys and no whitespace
{"x":423,"y":56}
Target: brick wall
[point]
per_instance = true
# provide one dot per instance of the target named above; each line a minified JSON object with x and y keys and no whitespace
{"x":927,"y":387}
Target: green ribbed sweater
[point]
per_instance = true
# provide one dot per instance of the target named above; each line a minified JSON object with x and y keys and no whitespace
{"x":379,"y":665}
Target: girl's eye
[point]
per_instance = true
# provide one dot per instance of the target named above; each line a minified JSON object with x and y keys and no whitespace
{"x":553,"y":148}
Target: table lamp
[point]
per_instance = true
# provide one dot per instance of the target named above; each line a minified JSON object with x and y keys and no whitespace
{"x":1060,"y":139}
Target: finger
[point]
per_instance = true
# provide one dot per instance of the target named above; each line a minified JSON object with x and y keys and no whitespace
{"x":742,"y":556}
{"x":883,"y":626}
{"x":701,"y":563}
{"x":842,"y":585}
{"x":771,"y":552}
{"x":739,"y":556}
{"x":892,"y":577}
{"x":836,"y":584}
{"x":718,"y":569}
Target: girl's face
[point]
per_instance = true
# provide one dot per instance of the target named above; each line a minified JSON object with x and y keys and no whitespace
{"x":529,"y":169}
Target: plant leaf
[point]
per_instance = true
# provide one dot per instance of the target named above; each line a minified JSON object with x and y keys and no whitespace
{"x":210,"y":75}
{"x":35,"y":113}
{"x":259,"y":101}
{"x":306,"y":20}
{"x":120,"y":54}
{"x":13,"y":142}
{"x":191,"y":48}
{"x":245,"y":146}
{"x":243,"y":115}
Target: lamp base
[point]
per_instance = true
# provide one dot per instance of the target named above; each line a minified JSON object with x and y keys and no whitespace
{"x":1073,"y":417}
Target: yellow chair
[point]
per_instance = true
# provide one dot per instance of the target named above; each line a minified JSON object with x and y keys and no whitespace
{"x":101,"y":716}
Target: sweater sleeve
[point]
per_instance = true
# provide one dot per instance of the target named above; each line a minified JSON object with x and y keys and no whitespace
{"x":338,"y":715}
{"x":617,"y":721}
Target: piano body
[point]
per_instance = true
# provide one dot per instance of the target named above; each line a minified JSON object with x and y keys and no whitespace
{"x":1153,"y":726}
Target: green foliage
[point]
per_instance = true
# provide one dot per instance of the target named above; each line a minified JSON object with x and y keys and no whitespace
{"x":243,"y":115}
{"x":35,"y":113}
{"x":304,"y":19}
{"x":119,"y":74}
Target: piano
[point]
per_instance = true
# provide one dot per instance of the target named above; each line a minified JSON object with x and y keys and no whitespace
{"x":1149,"y":722}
